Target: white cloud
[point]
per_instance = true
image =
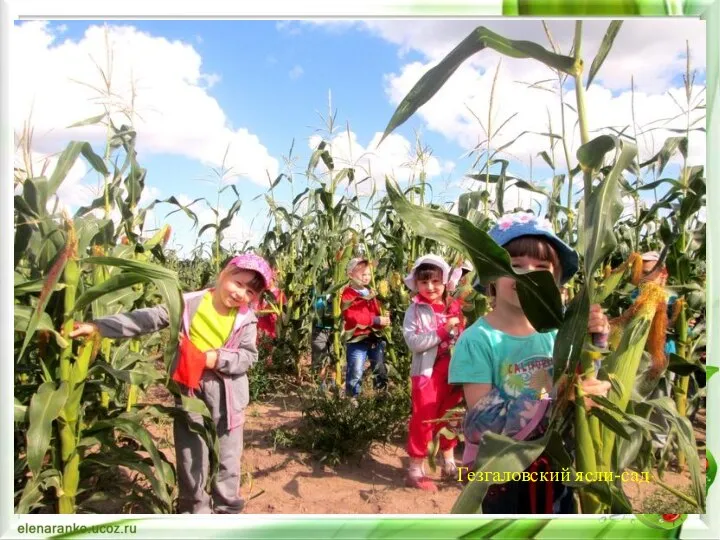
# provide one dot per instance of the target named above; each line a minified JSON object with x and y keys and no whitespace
{"x":449,"y":166}
{"x":175,"y":114}
{"x":287,"y":27}
{"x":296,"y":72}
{"x":449,"y":113}
{"x":651,"y":50}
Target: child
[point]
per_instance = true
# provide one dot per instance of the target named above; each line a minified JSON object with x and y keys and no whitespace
{"x":506,"y":367}
{"x":432,"y":322}
{"x":321,"y":338}
{"x":217,"y":347}
{"x":362,"y":322}
{"x":459,"y":276}
{"x":268,"y":319}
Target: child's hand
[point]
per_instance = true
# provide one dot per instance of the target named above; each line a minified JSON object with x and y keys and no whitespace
{"x":383,"y":321}
{"x":82,"y":329}
{"x":211,"y":358}
{"x":451,"y":323}
{"x":598,"y":321}
{"x":593,"y":387}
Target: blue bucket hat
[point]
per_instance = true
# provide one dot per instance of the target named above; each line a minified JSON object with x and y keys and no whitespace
{"x":512,"y":226}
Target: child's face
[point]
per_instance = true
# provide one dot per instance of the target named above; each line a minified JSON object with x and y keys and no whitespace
{"x":659,"y":276}
{"x":234,"y":289}
{"x":505,"y":287}
{"x":361,"y":274}
{"x":431,"y":288}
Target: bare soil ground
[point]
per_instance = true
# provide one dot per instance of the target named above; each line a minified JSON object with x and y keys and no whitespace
{"x":286,"y":481}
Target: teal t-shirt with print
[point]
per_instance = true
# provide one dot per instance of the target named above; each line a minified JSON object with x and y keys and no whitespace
{"x":514,"y":365}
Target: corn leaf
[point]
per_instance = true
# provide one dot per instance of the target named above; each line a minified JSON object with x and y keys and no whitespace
{"x":661,"y":159}
{"x":166,"y":282}
{"x":571,"y":335}
{"x":33,"y":492}
{"x":19,"y":412}
{"x":23,"y":235}
{"x":130,"y":426}
{"x":610,"y":422}
{"x":142,"y":374}
{"x":23,"y":314}
{"x":67,"y":160}
{"x":480,"y":38}
{"x":119,"y":457}
{"x":497,"y":454}
{"x":603,"y":206}
{"x":45,"y":406}
{"x":116,"y":283}
{"x":53,"y":278}
{"x":626,"y":451}
{"x":604,"y":49}
{"x":686,"y":441}
{"x":88,"y":121}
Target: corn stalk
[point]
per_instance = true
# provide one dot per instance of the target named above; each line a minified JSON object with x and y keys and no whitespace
{"x":54,"y":287}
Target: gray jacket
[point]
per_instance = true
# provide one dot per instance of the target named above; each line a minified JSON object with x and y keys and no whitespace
{"x":419,"y":331}
{"x":224,"y":389}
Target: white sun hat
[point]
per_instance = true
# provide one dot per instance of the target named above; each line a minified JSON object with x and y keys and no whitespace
{"x":435,"y":260}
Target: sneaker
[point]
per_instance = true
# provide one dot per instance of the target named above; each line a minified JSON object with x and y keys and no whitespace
{"x":421,"y":482}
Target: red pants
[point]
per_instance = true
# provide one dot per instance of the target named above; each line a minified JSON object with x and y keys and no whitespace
{"x":431,"y":398}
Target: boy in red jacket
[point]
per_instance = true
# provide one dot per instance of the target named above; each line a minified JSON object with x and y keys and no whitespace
{"x":362,"y":323}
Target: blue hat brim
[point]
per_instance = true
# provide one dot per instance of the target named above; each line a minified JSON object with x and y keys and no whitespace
{"x":569,"y":258}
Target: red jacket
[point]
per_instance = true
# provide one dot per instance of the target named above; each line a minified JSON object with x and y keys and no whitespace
{"x":443,"y":312}
{"x":359,"y":313}
{"x":267,"y":323}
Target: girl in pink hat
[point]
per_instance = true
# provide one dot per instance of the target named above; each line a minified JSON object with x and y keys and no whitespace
{"x":217,"y":347}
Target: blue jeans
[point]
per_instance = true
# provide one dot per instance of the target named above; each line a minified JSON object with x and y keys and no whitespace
{"x":357,"y":353}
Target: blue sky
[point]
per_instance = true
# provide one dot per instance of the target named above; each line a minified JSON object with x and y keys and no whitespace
{"x":263,"y":83}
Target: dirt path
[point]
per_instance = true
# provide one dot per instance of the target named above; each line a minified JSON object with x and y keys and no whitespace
{"x":285,"y":481}
{"x":292,"y":482}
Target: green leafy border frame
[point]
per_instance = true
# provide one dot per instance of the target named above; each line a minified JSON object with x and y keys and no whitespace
{"x":386,"y":527}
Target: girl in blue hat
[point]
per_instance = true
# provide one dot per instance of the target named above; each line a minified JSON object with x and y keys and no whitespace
{"x":506,"y":367}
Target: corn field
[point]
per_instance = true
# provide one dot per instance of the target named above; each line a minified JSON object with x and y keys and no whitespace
{"x":84,"y":409}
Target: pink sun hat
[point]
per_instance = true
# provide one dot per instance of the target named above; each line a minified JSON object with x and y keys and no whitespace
{"x":250,"y":261}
